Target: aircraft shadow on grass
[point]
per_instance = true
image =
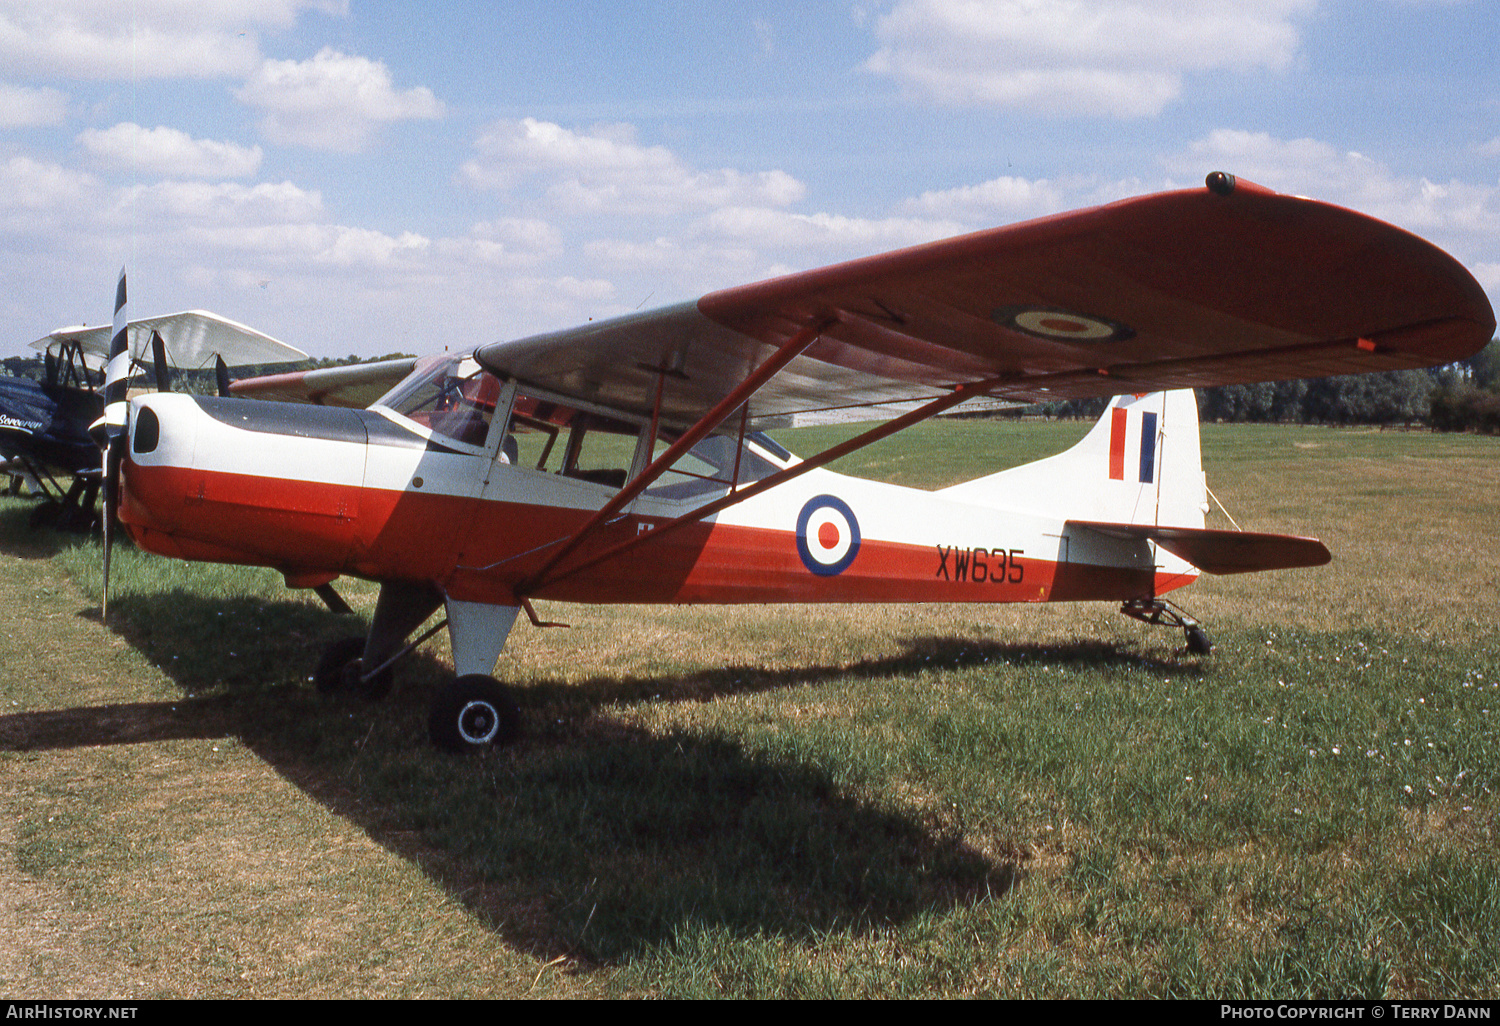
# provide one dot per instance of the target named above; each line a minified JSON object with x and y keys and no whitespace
{"x":589,"y":839}
{"x":19,"y":539}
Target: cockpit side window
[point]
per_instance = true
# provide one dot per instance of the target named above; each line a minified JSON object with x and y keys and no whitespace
{"x":555,"y":438}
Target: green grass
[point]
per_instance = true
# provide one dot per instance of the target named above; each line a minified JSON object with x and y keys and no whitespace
{"x":801,"y":802}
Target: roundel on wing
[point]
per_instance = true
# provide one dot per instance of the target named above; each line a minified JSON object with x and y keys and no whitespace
{"x":1065,"y":325}
{"x":827,"y":536}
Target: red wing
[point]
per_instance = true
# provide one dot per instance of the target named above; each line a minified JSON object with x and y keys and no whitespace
{"x":357,"y":385}
{"x":1181,"y":289}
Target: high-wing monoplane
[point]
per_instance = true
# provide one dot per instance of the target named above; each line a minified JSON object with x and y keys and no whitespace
{"x":44,"y":426}
{"x":625,"y":461}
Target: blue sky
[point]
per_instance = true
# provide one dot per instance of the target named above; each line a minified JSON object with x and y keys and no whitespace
{"x":368,"y":177}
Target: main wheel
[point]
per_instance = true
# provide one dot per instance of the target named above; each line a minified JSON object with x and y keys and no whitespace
{"x":329,"y":676}
{"x":44,"y":515}
{"x":78,"y":520}
{"x":340,"y":669}
{"x":471,"y":713}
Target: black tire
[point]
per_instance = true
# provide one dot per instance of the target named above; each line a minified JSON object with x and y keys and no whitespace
{"x":78,"y":520}
{"x":1197,"y":641}
{"x":472,"y":713}
{"x":44,"y":515}
{"x":372,"y":690}
{"x":339,"y":671}
{"x":328,"y":678}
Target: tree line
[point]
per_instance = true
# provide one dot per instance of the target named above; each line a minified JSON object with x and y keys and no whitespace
{"x":1459,"y":397}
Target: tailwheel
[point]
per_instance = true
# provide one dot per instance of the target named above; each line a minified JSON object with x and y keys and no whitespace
{"x":1160,"y":612}
{"x":473,"y":712}
{"x":1197,"y":640}
{"x":341,"y":669}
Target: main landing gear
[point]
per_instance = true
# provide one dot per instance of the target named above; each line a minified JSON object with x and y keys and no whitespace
{"x":467,"y":714}
{"x":73,"y":512}
{"x":1160,"y":612}
{"x":473,"y":711}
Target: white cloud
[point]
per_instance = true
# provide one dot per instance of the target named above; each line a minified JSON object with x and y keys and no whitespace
{"x":657,"y":254}
{"x":32,"y":185}
{"x":835,"y":235}
{"x":1456,"y":215}
{"x":129,"y":39}
{"x":995,"y":201}
{"x":166,"y":204}
{"x":508,"y":242}
{"x":1119,"y":58}
{"x":606,"y":169}
{"x":22,"y":107}
{"x":169,"y":152}
{"x":332,"y":102}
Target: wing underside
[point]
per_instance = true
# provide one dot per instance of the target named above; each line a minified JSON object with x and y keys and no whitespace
{"x":1175,"y":290}
{"x":354,"y":385}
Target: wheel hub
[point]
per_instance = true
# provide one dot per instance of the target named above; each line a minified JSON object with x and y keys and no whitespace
{"x":478,"y":722}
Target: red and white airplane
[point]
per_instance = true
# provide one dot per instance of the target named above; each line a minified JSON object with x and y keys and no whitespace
{"x":625,"y":461}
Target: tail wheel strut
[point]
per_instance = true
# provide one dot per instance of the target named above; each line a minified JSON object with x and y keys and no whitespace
{"x":1161,"y":613}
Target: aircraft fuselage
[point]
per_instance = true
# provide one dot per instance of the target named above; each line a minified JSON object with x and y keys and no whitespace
{"x":317,"y":493}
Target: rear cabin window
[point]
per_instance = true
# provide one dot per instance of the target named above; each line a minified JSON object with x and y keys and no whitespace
{"x":713,"y":465}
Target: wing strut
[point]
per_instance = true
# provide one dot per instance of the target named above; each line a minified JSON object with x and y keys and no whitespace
{"x":959,"y":394}
{"x":790,"y":350}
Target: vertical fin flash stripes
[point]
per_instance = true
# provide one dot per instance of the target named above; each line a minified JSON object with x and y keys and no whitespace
{"x":1148,"y":448}
{"x":1117,"y":444}
{"x":1119,"y":422}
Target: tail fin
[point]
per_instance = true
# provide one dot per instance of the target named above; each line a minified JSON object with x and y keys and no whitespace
{"x":1140,"y":464}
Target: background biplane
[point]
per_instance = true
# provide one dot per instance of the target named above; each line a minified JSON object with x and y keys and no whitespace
{"x":625,"y":460}
{"x":44,"y":426}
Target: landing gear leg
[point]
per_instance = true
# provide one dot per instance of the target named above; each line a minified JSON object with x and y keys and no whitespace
{"x":346,"y":664}
{"x":469,"y":713}
{"x":1160,"y":612}
{"x":74,"y":511}
{"x":474,"y":711}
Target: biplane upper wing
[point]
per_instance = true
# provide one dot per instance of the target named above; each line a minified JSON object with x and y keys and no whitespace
{"x":192,"y":339}
{"x":356,"y":385}
{"x":1226,"y":284}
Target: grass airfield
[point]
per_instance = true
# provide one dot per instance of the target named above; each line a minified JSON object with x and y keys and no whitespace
{"x":850,"y":801}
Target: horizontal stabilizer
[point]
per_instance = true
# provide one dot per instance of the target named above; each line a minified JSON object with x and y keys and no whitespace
{"x":1222,"y":552}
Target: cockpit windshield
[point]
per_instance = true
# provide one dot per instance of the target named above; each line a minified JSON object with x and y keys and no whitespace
{"x":451,"y":395}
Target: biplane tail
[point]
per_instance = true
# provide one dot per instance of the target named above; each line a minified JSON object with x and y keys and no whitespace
{"x":1139,"y":465}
